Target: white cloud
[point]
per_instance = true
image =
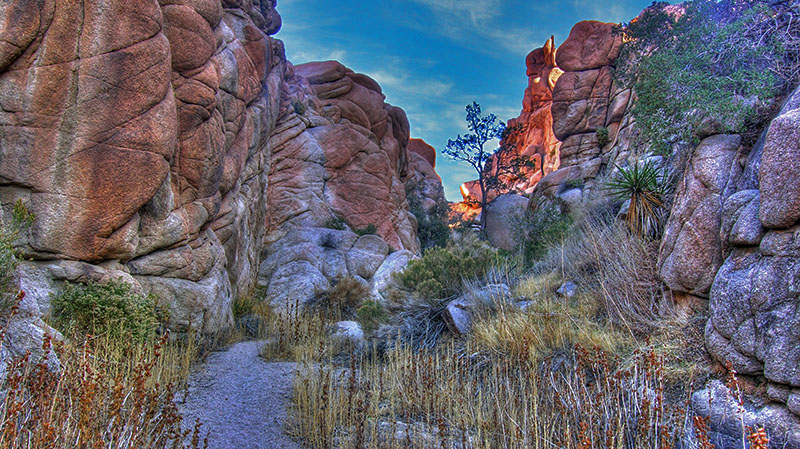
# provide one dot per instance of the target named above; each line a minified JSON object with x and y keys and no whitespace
{"x":463,"y":21}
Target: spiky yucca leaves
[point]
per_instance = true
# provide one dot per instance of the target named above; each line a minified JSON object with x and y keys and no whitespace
{"x":644,"y":185}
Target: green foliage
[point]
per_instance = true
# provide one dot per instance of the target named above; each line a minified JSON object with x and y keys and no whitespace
{"x":343,"y":299}
{"x":575,"y":183}
{"x":366,"y":230}
{"x":537,"y":231}
{"x":644,"y":184}
{"x":336,"y":222}
{"x":432,"y":228}
{"x":112,"y":309}
{"x":441,"y":271}
{"x":21,"y":220}
{"x":602,"y":136}
{"x":718,"y":62}
{"x":299,"y":108}
{"x":371,"y":314}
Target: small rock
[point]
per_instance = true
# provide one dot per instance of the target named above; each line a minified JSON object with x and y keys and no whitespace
{"x":458,"y":316}
{"x":567,"y":289}
{"x":347,"y":333}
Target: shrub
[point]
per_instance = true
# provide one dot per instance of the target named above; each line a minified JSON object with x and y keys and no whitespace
{"x":343,"y":299}
{"x":366,"y":230}
{"x":441,"y":271}
{"x":432,"y":228}
{"x":616,"y":266}
{"x":336,"y":222}
{"x":371,"y":314}
{"x":602,"y":136}
{"x":645,"y":186}
{"x":717,"y":61}
{"x":106,"y":393}
{"x":21,"y":220}
{"x":112,"y":309}
{"x":538,"y":230}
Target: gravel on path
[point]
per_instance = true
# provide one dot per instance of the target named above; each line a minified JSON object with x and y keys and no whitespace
{"x":241,"y":399}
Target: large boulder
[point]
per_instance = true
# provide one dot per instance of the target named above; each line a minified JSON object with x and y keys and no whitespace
{"x":780,"y":169}
{"x":590,"y":45}
{"x":691,"y":250}
{"x":503,"y":217}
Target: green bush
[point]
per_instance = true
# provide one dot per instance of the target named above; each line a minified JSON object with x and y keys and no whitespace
{"x":432,"y":228}
{"x":715,"y":63}
{"x":343,"y":299}
{"x":366,"y":230}
{"x":21,"y":220}
{"x":336,"y":222}
{"x":537,"y":231}
{"x":441,"y":271}
{"x":602,"y":136}
{"x":371,"y":314}
{"x":112,"y":309}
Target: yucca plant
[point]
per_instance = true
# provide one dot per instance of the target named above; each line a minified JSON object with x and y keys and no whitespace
{"x":645,"y":186}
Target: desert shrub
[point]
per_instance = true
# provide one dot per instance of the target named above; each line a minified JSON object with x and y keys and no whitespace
{"x":574,"y":183}
{"x":21,"y":219}
{"x":366,"y":230}
{"x":343,"y":299}
{"x":602,"y":136}
{"x":604,"y":258}
{"x":371,"y":314}
{"x":336,"y":222}
{"x":538,"y":230}
{"x":112,"y":309}
{"x":716,"y":61}
{"x":432,"y":228}
{"x":251,"y":304}
{"x":441,"y":271}
{"x":645,"y":186}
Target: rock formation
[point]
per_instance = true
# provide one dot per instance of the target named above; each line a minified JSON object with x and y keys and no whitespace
{"x":171,"y":145}
{"x":589,"y":110}
{"x":530,"y":135}
{"x":754,"y":300}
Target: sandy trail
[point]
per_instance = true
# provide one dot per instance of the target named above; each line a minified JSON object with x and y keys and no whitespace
{"x":241,"y":399}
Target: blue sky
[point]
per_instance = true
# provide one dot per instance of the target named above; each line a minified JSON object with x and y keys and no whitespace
{"x":433,"y":57}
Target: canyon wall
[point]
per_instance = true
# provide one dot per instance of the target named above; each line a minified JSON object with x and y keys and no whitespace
{"x":732,"y":235}
{"x":171,"y":145}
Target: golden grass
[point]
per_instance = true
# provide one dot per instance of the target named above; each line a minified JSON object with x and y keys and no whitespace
{"x":106,"y":393}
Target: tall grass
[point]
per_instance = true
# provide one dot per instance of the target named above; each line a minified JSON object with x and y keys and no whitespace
{"x":461,"y":399}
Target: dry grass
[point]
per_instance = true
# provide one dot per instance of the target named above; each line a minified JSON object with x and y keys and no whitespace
{"x":457,"y":398}
{"x":617,"y":267}
{"x":106,"y":394}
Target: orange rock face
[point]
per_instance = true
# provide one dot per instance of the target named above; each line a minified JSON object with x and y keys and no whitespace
{"x":170,"y":144}
{"x":531,"y":134}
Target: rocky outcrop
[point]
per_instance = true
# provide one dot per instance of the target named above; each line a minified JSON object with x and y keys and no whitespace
{"x":422,"y":182}
{"x":339,"y":155}
{"x":691,"y":249}
{"x":530,"y":135}
{"x":171,"y":144}
{"x":138,"y":137}
{"x":590,"y":111}
{"x":755,"y":297}
{"x":339,"y":150}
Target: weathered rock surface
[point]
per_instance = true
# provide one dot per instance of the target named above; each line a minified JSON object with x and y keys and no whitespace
{"x":691,"y":249}
{"x":726,"y":418}
{"x":503,"y":215}
{"x":590,"y":45}
{"x":459,"y":313}
{"x":138,"y":135}
{"x":171,"y":144}
{"x":755,"y":298}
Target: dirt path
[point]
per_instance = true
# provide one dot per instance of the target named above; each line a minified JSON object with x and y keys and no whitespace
{"x":241,"y":399}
